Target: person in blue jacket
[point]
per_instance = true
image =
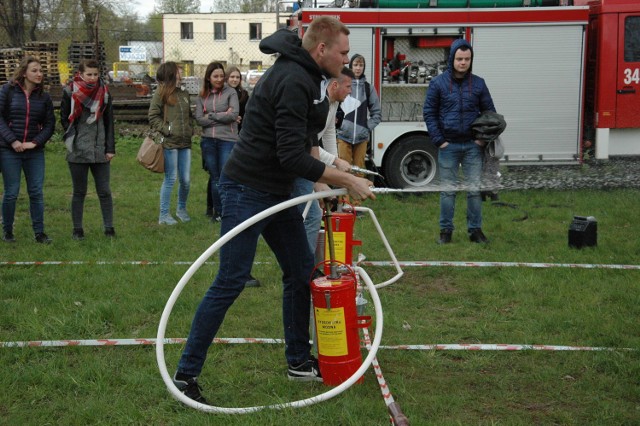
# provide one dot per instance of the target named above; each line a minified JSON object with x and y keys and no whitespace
{"x":26,"y":125}
{"x":454,"y":100}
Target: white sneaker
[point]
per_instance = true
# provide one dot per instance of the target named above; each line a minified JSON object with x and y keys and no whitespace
{"x":167,"y":220}
{"x":183,"y":215}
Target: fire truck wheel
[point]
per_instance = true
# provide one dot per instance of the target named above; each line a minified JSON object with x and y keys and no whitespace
{"x":412,"y":162}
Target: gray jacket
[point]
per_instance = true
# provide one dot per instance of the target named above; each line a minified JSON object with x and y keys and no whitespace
{"x":217,"y":114}
{"x":88,"y":142}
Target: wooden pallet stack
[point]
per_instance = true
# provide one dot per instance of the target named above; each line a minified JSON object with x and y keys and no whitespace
{"x":9,"y":60}
{"x":79,"y":51}
{"x":47,"y":52}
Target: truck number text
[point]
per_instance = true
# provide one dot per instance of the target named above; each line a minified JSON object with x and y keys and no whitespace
{"x":632,"y":76}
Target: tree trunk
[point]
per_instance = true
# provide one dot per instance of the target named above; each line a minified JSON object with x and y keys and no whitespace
{"x":12,"y":19}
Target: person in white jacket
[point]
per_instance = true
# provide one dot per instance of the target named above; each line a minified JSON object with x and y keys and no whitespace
{"x":337,"y":90}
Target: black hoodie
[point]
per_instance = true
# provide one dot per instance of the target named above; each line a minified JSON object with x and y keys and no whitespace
{"x":284,"y":115}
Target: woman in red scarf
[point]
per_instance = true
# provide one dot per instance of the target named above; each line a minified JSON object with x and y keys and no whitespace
{"x":86,"y":114}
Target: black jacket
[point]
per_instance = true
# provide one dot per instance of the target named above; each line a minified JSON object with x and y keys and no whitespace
{"x":284,"y":115}
{"x":26,"y":122}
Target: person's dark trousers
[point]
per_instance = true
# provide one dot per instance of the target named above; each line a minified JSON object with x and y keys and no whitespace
{"x":101,"y":173}
{"x":285,"y":234}
{"x":209,"y":197}
{"x":31,"y":162}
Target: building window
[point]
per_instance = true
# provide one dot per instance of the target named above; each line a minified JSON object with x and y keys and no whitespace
{"x":186,"y":30}
{"x":632,"y":39}
{"x":255,"y":31}
{"x":219,"y":30}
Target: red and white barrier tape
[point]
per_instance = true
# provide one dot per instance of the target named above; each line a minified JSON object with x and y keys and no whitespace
{"x":407,"y":263}
{"x":129,"y":342}
{"x":268,"y":341}
{"x":499,"y":347}
{"x":501,"y":264}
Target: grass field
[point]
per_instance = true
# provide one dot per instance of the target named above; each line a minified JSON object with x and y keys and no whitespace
{"x":108,"y":295}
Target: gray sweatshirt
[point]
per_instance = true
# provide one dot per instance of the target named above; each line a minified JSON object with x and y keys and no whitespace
{"x":217,"y":114}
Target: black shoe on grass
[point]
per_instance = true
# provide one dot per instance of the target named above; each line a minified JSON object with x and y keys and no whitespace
{"x":42,"y":238}
{"x":252,"y":282}
{"x":190,"y":387}
{"x":307,"y":371}
{"x":8,"y":237}
{"x":477,"y":236}
{"x":445,"y":236}
{"x":77,"y":234}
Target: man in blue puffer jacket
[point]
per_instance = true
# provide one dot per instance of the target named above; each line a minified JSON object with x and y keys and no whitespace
{"x":454,"y":100}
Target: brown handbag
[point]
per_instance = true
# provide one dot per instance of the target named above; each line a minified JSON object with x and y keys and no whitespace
{"x":151,"y":153}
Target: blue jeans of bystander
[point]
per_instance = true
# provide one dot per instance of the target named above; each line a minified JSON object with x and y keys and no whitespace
{"x":13,"y":164}
{"x":469,"y":155}
{"x":314,"y":215}
{"x":177,"y":164}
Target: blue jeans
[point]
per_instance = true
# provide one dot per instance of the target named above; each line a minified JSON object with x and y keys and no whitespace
{"x":285,"y":235}
{"x":314,"y":215}
{"x":469,"y":155}
{"x":177,"y":163}
{"x":215,"y":153}
{"x":13,"y":164}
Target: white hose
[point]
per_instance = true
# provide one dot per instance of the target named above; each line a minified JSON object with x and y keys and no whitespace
{"x":160,"y":358}
{"x":394,"y":260}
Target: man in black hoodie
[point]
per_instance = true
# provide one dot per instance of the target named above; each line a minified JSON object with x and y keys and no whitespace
{"x":278,"y":142}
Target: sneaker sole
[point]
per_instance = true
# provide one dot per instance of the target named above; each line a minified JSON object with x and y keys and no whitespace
{"x":303,"y":379}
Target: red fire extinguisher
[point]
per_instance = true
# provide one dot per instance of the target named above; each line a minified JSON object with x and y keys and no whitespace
{"x":342,"y":225}
{"x":335,"y":313}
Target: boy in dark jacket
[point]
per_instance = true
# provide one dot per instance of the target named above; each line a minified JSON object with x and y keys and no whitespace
{"x":287,"y":109}
{"x":454,"y":100}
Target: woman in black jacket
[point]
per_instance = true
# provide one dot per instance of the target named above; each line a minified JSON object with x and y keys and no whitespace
{"x":26,"y":125}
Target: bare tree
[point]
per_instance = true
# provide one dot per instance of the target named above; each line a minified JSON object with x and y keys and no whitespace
{"x":12,"y":21}
{"x":33,"y":11}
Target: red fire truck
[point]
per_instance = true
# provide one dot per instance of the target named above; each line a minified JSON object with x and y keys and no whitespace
{"x":566,"y":77}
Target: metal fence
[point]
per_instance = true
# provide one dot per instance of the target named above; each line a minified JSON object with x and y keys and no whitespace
{"x":61,"y":58}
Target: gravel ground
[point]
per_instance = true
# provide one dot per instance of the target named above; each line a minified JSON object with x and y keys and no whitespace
{"x":614,"y":173}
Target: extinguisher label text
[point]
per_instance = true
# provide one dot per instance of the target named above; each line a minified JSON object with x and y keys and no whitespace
{"x":331,"y":331}
{"x":632,"y":76}
{"x":339,"y":246}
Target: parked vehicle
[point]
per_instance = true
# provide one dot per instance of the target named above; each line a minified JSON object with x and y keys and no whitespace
{"x":566,"y":78}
